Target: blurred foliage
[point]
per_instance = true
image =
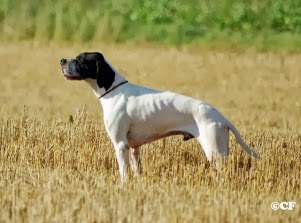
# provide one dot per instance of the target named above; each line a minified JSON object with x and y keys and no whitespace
{"x":165,"y":21}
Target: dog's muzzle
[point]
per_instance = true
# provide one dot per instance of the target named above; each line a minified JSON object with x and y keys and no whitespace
{"x":68,"y":72}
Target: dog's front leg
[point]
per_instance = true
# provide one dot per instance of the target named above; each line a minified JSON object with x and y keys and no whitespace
{"x":122,"y":154}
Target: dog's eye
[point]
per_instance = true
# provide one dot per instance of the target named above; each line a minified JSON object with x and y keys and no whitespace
{"x":78,"y":59}
{"x":81,"y":65}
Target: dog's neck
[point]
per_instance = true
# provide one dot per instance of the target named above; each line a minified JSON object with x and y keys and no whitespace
{"x":99,"y":92}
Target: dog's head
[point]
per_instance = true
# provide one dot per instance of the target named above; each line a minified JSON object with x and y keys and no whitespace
{"x":89,"y":65}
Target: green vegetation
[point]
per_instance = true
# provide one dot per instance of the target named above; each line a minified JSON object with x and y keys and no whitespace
{"x":265,"y":23}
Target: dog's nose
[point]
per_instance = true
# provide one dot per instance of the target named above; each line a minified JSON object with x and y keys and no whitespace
{"x":63,"y":61}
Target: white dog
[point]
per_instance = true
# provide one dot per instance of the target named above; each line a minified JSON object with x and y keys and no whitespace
{"x":135,"y":115}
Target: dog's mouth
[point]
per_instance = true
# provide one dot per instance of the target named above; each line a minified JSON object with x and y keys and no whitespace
{"x":68,"y":76}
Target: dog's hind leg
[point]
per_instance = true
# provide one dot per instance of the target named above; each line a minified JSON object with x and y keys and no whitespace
{"x":214,"y":139}
{"x":135,"y":161}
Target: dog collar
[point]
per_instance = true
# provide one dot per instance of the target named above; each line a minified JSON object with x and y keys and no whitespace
{"x":124,"y":82}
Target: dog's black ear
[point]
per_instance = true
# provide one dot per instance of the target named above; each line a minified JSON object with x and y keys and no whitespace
{"x":105,"y":75}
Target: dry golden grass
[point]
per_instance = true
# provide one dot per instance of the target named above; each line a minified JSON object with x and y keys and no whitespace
{"x":52,"y":170}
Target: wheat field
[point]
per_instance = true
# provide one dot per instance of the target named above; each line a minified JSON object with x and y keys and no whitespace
{"x":57,"y":163}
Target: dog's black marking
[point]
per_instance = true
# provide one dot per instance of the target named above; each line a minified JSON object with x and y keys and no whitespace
{"x":105,"y":75}
{"x":93,"y":65}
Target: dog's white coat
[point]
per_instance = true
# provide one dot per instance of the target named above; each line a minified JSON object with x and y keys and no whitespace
{"x":135,"y":115}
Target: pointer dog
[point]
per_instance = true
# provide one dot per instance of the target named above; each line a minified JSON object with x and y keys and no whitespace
{"x":136,"y":115}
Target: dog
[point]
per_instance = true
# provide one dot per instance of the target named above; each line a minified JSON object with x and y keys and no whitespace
{"x":136,"y":115}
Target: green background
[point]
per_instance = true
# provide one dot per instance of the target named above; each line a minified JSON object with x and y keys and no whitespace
{"x":265,"y":24}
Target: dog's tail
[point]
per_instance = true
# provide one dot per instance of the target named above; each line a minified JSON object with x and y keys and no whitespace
{"x":241,"y":141}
